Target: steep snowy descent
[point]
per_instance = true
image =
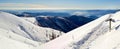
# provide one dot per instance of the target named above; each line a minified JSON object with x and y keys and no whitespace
{"x":82,"y":37}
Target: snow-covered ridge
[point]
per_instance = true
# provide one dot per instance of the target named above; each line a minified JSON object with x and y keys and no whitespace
{"x":110,"y":40}
{"x":82,"y":36}
{"x":18,"y":29}
{"x":17,"y":33}
{"x":30,"y":19}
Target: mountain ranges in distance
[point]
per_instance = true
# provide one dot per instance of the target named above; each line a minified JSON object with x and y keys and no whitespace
{"x":63,"y":21}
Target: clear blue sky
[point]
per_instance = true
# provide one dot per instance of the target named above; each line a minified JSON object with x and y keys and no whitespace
{"x":80,"y":4}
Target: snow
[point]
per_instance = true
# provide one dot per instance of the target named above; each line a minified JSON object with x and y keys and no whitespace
{"x":17,"y":33}
{"x":6,"y":43}
{"x":110,"y":40}
{"x":30,"y":19}
{"x":74,"y":35}
{"x":16,"y":37}
{"x":82,"y":37}
{"x":24,"y":28}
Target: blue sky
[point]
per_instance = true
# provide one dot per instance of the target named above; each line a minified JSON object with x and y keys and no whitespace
{"x":67,"y":4}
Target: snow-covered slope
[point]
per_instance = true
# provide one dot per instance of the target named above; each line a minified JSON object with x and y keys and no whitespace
{"x":17,"y":33}
{"x":30,"y":19}
{"x":110,"y":40}
{"x":23,"y":31}
{"x":82,"y":37}
{"x":7,"y":43}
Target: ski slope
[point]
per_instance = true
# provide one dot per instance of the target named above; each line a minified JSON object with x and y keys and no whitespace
{"x":82,"y":37}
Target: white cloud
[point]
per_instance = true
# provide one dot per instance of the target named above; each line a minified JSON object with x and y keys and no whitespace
{"x":17,"y":6}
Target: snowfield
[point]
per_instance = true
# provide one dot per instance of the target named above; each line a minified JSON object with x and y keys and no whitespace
{"x":89,"y":36}
{"x":17,"y":31}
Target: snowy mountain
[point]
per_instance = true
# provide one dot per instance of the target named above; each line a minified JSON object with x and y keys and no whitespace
{"x":93,"y":35}
{"x":16,"y":32}
{"x":64,"y":24}
{"x":62,"y":20}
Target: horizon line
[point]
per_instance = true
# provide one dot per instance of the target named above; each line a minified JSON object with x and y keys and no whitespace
{"x":59,"y":9}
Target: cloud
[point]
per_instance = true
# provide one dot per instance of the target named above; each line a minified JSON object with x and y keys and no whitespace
{"x":20,"y":6}
{"x":17,"y":6}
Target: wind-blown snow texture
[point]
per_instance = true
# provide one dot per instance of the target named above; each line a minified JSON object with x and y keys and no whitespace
{"x":93,"y":35}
